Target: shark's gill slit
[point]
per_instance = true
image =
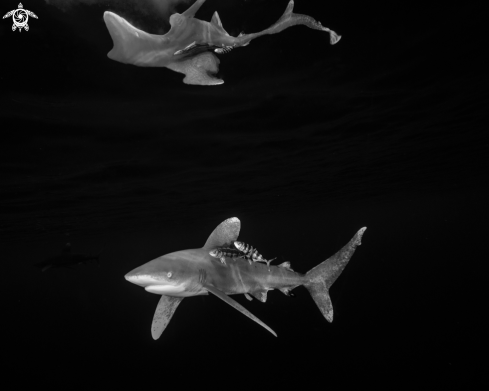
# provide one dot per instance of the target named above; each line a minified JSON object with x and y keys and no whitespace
{"x":202,"y":276}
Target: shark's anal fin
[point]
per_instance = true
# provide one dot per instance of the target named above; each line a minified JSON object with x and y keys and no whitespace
{"x":164,"y":311}
{"x":236,"y":305}
{"x":261,"y":295}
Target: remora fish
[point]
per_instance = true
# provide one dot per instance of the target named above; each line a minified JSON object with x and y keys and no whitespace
{"x":194,"y":272}
{"x":67,"y":259}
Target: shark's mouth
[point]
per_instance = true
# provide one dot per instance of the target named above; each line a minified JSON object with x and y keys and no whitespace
{"x":157,"y":284}
{"x":146,"y":280}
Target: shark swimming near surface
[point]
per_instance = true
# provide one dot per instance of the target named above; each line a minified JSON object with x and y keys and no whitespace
{"x":195,"y":272}
{"x":67,"y":259}
{"x":185,"y":48}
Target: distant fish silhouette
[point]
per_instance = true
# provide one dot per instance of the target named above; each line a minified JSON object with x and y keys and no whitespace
{"x":67,"y":259}
{"x":195,"y":272}
{"x":181,"y":49}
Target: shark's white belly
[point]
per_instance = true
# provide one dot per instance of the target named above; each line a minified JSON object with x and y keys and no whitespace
{"x":178,"y":290}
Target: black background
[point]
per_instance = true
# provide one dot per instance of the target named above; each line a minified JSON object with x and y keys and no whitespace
{"x":305,"y":143}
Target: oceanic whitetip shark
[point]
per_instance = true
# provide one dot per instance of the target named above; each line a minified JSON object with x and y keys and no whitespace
{"x":67,"y":259}
{"x":185,"y":48}
{"x":195,"y":272}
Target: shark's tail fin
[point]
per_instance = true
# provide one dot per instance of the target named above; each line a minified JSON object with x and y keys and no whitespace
{"x":321,"y":277}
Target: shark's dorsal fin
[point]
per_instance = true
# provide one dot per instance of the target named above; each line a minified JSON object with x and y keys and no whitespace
{"x":164,"y":311}
{"x":236,"y":305}
{"x":224,"y":235}
{"x":66,"y":248}
{"x":216,"y":21}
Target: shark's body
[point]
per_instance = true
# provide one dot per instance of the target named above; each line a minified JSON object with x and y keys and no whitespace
{"x":194,"y":272}
{"x":185,"y":48}
{"x":66,"y":259}
{"x":234,"y":277}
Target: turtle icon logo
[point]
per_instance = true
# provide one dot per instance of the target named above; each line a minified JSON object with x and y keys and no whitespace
{"x":20,"y":16}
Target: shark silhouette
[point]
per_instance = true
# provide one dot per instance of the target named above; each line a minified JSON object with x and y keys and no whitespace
{"x":67,"y":259}
{"x":185,"y":48}
{"x":194,"y":272}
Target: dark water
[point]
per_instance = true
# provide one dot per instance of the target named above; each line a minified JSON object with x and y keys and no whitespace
{"x":305,"y":143}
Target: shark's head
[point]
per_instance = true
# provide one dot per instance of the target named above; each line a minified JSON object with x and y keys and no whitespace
{"x":174,"y":274}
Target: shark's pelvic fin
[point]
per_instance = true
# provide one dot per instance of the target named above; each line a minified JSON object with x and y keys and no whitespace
{"x":236,"y":305}
{"x":286,"y":291}
{"x":163,"y":314}
{"x":224,"y":235}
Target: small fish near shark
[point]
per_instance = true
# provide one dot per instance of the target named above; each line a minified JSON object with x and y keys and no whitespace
{"x":67,"y":259}
{"x":195,"y":272}
{"x":185,"y":48}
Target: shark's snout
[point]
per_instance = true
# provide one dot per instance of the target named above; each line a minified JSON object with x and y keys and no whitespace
{"x":132,"y":278}
{"x":156,"y":285}
{"x":142,"y":279}
{"x":129,"y":277}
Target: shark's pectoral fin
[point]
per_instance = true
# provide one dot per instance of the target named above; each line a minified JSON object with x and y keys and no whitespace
{"x":225,"y":234}
{"x":236,"y":305}
{"x":191,"y":11}
{"x":163,"y":314}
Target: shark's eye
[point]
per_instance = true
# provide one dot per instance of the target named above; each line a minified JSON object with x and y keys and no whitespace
{"x":169,"y":274}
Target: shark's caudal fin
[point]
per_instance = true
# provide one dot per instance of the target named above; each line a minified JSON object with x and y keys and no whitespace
{"x":325,"y":274}
{"x":287,"y":20}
